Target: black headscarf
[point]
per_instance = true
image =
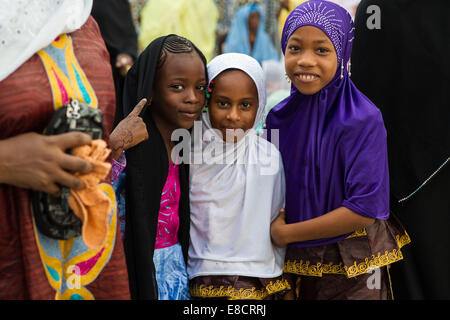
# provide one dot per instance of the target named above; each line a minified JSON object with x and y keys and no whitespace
{"x":146,"y":173}
{"x":404,"y":68}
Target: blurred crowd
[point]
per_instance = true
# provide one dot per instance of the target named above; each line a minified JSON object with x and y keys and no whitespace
{"x":252,"y":27}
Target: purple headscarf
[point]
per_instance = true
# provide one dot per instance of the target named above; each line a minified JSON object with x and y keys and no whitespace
{"x":333,"y":142}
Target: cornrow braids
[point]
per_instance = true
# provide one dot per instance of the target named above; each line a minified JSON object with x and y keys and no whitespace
{"x":176,"y":44}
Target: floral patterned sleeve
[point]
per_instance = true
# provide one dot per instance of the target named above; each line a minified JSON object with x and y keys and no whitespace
{"x":118,"y":182}
{"x":118,"y":167}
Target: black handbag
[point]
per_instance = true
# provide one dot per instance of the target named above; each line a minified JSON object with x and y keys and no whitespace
{"x":52,"y":215}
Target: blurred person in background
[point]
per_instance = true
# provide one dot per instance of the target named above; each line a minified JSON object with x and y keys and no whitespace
{"x":195,"y":20}
{"x":277,"y":86}
{"x":117,"y":29}
{"x":136,"y":7}
{"x":286,"y":7}
{"x":402,"y":65}
{"x":349,"y":5}
{"x":247,"y":35}
{"x":227,"y":9}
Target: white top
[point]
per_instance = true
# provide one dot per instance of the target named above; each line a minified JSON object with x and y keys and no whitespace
{"x":233,"y":204}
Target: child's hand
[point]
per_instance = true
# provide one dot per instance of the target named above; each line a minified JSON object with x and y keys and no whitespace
{"x":129,"y":132}
{"x":276,"y":229}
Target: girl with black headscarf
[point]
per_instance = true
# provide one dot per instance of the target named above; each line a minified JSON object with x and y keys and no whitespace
{"x":171,"y":74}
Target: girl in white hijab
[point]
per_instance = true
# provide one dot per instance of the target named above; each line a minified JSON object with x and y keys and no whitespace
{"x":237,"y":188}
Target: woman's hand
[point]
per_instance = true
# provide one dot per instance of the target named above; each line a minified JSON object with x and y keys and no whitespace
{"x":129,"y":132}
{"x":39,"y":162}
{"x":276,"y":230}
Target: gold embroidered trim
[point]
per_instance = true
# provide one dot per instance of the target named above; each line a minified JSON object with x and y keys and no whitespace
{"x":239,"y":294}
{"x":402,"y":240}
{"x":376,"y":261}
{"x":358,"y":233}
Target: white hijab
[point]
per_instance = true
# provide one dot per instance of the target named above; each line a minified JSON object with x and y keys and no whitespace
{"x":27,"y":26}
{"x":233,"y":204}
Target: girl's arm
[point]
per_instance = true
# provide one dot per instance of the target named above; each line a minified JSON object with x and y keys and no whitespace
{"x":332,"y":224}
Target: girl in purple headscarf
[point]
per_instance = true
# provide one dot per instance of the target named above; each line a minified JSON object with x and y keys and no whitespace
{"x":336,"y":224}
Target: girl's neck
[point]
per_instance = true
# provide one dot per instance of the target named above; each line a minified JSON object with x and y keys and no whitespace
{"x":166,"y":133}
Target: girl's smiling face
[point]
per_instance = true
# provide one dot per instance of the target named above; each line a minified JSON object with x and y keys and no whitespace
{"x":178,"y":95}
{"x":233,"y":104}
{"x":310,"y":59}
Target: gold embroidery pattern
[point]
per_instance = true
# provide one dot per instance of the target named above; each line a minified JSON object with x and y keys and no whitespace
{"x":358,"y":233}
{"x":403,"y":240}
{"x":239,"y":294}
{"x":376,"y":261}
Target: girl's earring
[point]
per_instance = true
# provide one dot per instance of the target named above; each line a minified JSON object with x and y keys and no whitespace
{"x":349,"y":69}
{"x":342,"y":69}
{"x":287,"y":78}
{"x":208,"y":91}
{"x":205,"y":107}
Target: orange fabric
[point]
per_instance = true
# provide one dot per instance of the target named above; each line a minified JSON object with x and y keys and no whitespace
{"x":90,"y":204}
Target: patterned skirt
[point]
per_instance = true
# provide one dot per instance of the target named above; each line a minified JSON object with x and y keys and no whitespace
{"x":349,"y":265}
{"x":171,"y":273}
{"x":238,"y":288}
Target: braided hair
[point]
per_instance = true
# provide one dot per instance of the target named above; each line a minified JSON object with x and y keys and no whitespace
{"x":177,"y":44}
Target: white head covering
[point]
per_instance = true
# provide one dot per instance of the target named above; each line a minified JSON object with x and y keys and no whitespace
{"x":223,"y":151}
{"x":233,"y":204}
{"x":27,"y":26}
